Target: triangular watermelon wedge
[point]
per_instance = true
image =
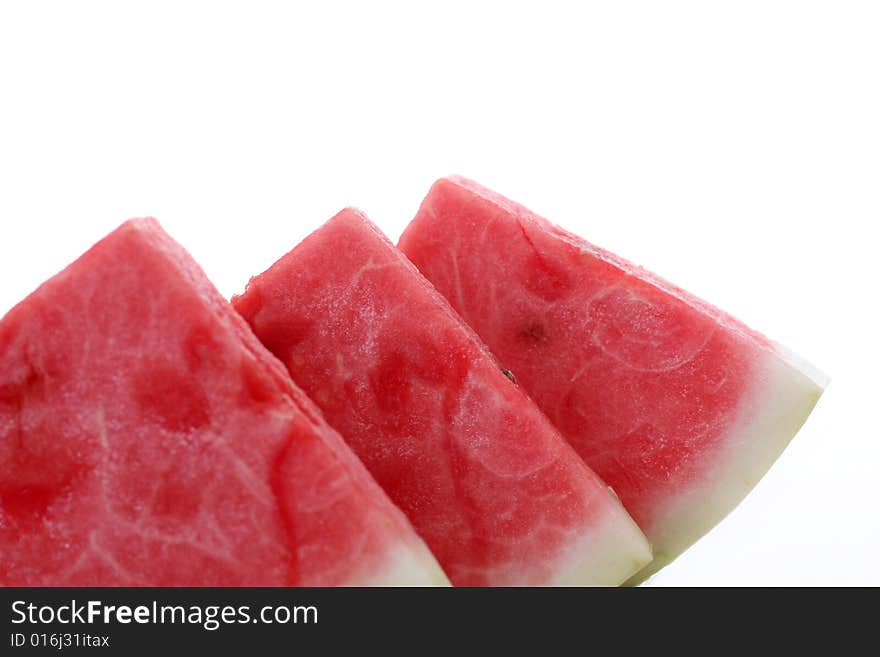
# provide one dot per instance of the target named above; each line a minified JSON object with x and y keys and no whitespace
{"x":488,"y":482}
{"x":677,"y":405}
{"x":147,"y":438}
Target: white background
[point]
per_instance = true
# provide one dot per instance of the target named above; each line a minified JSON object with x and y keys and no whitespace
{"x":732,"y":147}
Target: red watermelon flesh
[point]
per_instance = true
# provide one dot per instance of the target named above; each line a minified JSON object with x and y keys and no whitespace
{"x":147,"y":438}
{"x":491,"y":486}
{"x":678,"y":406}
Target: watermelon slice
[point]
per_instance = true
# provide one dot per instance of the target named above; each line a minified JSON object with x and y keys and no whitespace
{"x":491,"y":486}
{"x":678,"y":406}
{"x":147,"y":438}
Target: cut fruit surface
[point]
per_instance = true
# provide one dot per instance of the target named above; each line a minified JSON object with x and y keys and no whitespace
{"x":488,"y":482}
{"x":677,"y":405}
{"x":147,"y":438}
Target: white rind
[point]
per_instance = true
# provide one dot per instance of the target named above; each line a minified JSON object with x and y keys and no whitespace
{"x":608,"y":552}
{"x":784,"y":391}
{"x":408,"y":566}
{"x":612,"y":550}
{"x":817,"y":376}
